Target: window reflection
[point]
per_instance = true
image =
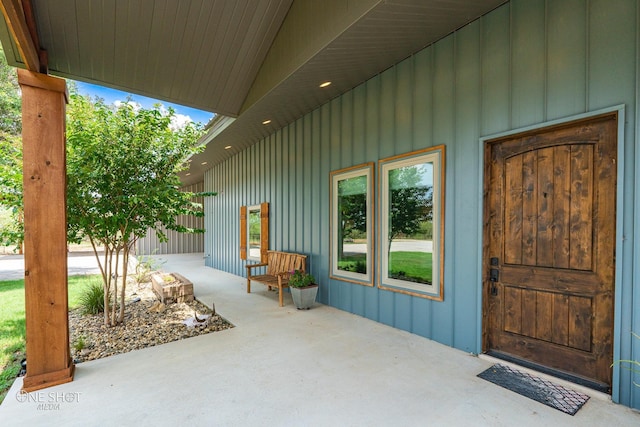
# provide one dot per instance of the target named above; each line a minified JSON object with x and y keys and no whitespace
{"x":253,"y":224}
{"x":352,"y":224}
{"x":352,"y":219}
{"x":411,"y":223}
{"x":410,"y":240}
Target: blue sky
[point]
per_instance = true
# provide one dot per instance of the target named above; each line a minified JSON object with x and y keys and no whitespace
{"x":112,"y":95}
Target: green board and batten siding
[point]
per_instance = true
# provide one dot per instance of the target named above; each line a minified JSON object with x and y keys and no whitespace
{"x":525,"y":63}
{"x":177,"y":242}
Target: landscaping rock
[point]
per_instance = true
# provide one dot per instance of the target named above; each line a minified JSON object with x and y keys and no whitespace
{"x":142,"y":327}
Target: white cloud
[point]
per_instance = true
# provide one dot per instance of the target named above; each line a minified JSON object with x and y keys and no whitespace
{"x":179,"y":121}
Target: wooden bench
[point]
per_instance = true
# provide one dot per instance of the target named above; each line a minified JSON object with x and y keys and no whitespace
{"x":279,"y":267}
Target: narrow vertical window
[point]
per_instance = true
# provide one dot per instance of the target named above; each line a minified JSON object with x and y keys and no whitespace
{"x":352,"y":224}
{"x":411,"y":240}
{"x":253,"y":231}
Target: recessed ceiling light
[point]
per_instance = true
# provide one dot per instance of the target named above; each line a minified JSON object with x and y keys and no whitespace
{"x":325,"y":84}
{"x":227,"y":147}
{"x":266,"y":122}
{"x":203,"y":163}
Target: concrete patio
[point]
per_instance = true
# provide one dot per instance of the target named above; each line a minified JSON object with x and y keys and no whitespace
{"x":281,"y":367}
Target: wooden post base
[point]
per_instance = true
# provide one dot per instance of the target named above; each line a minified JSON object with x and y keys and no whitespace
{"x":36,"y":382}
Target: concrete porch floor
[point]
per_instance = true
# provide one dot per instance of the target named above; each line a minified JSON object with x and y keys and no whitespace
{"x":281,"y":367}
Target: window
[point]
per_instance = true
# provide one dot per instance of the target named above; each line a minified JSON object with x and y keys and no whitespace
{"x":254,"y":232}
{"x":352,"y":224}
{"x":412,"y":223}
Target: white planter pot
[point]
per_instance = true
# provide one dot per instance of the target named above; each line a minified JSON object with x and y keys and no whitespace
{"x":303,"y":298}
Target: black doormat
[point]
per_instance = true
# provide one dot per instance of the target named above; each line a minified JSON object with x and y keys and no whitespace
{"x":538,"y":389}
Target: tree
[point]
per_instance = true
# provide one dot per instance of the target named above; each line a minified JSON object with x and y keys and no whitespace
{"x":12,"y":231}
{"x":122,"y":165}
{"x":352,"y":209}
{"x":10,"y":101}
{"x":352,"y":199}
{"x":411,"y":203}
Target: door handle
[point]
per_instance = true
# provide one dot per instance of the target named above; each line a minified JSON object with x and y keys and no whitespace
{"x":494,"y":275}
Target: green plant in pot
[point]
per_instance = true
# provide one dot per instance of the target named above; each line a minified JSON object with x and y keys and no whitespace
{"x":303,"y":289}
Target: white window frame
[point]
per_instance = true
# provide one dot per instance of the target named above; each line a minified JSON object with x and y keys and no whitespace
{"x":436,"y":156}
{"x":365,"y":170}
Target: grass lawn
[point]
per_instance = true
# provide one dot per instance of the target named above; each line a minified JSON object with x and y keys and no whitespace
{"x":12,"y":328}
{"x":413,"y":265}
{"x":354,"y":262}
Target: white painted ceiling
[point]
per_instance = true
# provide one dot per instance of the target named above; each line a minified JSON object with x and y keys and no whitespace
{"x":220,"y":55}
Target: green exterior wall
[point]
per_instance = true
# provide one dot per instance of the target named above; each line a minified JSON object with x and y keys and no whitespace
{"x":526,"y":63}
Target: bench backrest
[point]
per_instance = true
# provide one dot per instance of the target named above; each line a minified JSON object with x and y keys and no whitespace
{"x":285,"y":262}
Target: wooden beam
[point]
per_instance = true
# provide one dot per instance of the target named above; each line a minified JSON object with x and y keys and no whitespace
{"x":44,"y":101}
{"x":14,"y":14}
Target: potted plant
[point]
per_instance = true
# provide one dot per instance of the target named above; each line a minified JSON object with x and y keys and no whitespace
{"x":303,"y":289}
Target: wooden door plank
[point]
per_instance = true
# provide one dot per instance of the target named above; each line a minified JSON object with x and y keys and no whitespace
{"x":545,"y":208}
{"x":513,"y":211}
{"x":528,"y":313}
{"x":580,"y":328}
{"x":560,"y":326}
{"x":512,"y":309}
{"x":580,"y":257}
{"x":529,"y":207}
{"x":544,"y":319}
{"x":561,"y":206}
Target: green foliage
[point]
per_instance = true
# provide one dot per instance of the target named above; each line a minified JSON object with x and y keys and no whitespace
{"x":254,"y":228}
{"x":122,"y":169}
{"x":77,"y":285}
{"x":411,"y":266}
{"x":352,"y":206}
{"x":12,"y":325}
{"x":411,"y":202}
{"x":92,"y":298}
{"x":631,"y":365}
{"x":10,"y":102}
{"x":145,"y":266}
{"x":12,"y":331}
{"x":300,"y":279}
{"x":12,"y":231}
{"x":122,"y":165}
{"x":79,"y":344}
{"x":356,"y":263}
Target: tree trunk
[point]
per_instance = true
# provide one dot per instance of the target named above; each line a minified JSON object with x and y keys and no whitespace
{"x":105,"y":284}
{"x":114,"y":277}
{"x":125,"y":264}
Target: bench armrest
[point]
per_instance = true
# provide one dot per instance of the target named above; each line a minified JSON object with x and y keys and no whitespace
{"x":250,"y":266}
{"x":262,"y":264}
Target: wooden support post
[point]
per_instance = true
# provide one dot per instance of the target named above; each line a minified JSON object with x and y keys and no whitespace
{"x":44,"y":100}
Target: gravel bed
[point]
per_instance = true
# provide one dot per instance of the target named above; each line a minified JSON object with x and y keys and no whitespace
{"x":91,"y":339}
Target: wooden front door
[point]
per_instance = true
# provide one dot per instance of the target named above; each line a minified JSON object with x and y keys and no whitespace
{"x":549,"y":247}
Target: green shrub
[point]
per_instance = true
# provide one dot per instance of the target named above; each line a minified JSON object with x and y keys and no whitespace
{"x":79,"y":344}
{"x":92,"y":298}
{"x":145,"y":266}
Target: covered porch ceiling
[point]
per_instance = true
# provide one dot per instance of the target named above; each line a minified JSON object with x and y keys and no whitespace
{"x":246,"y":60}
